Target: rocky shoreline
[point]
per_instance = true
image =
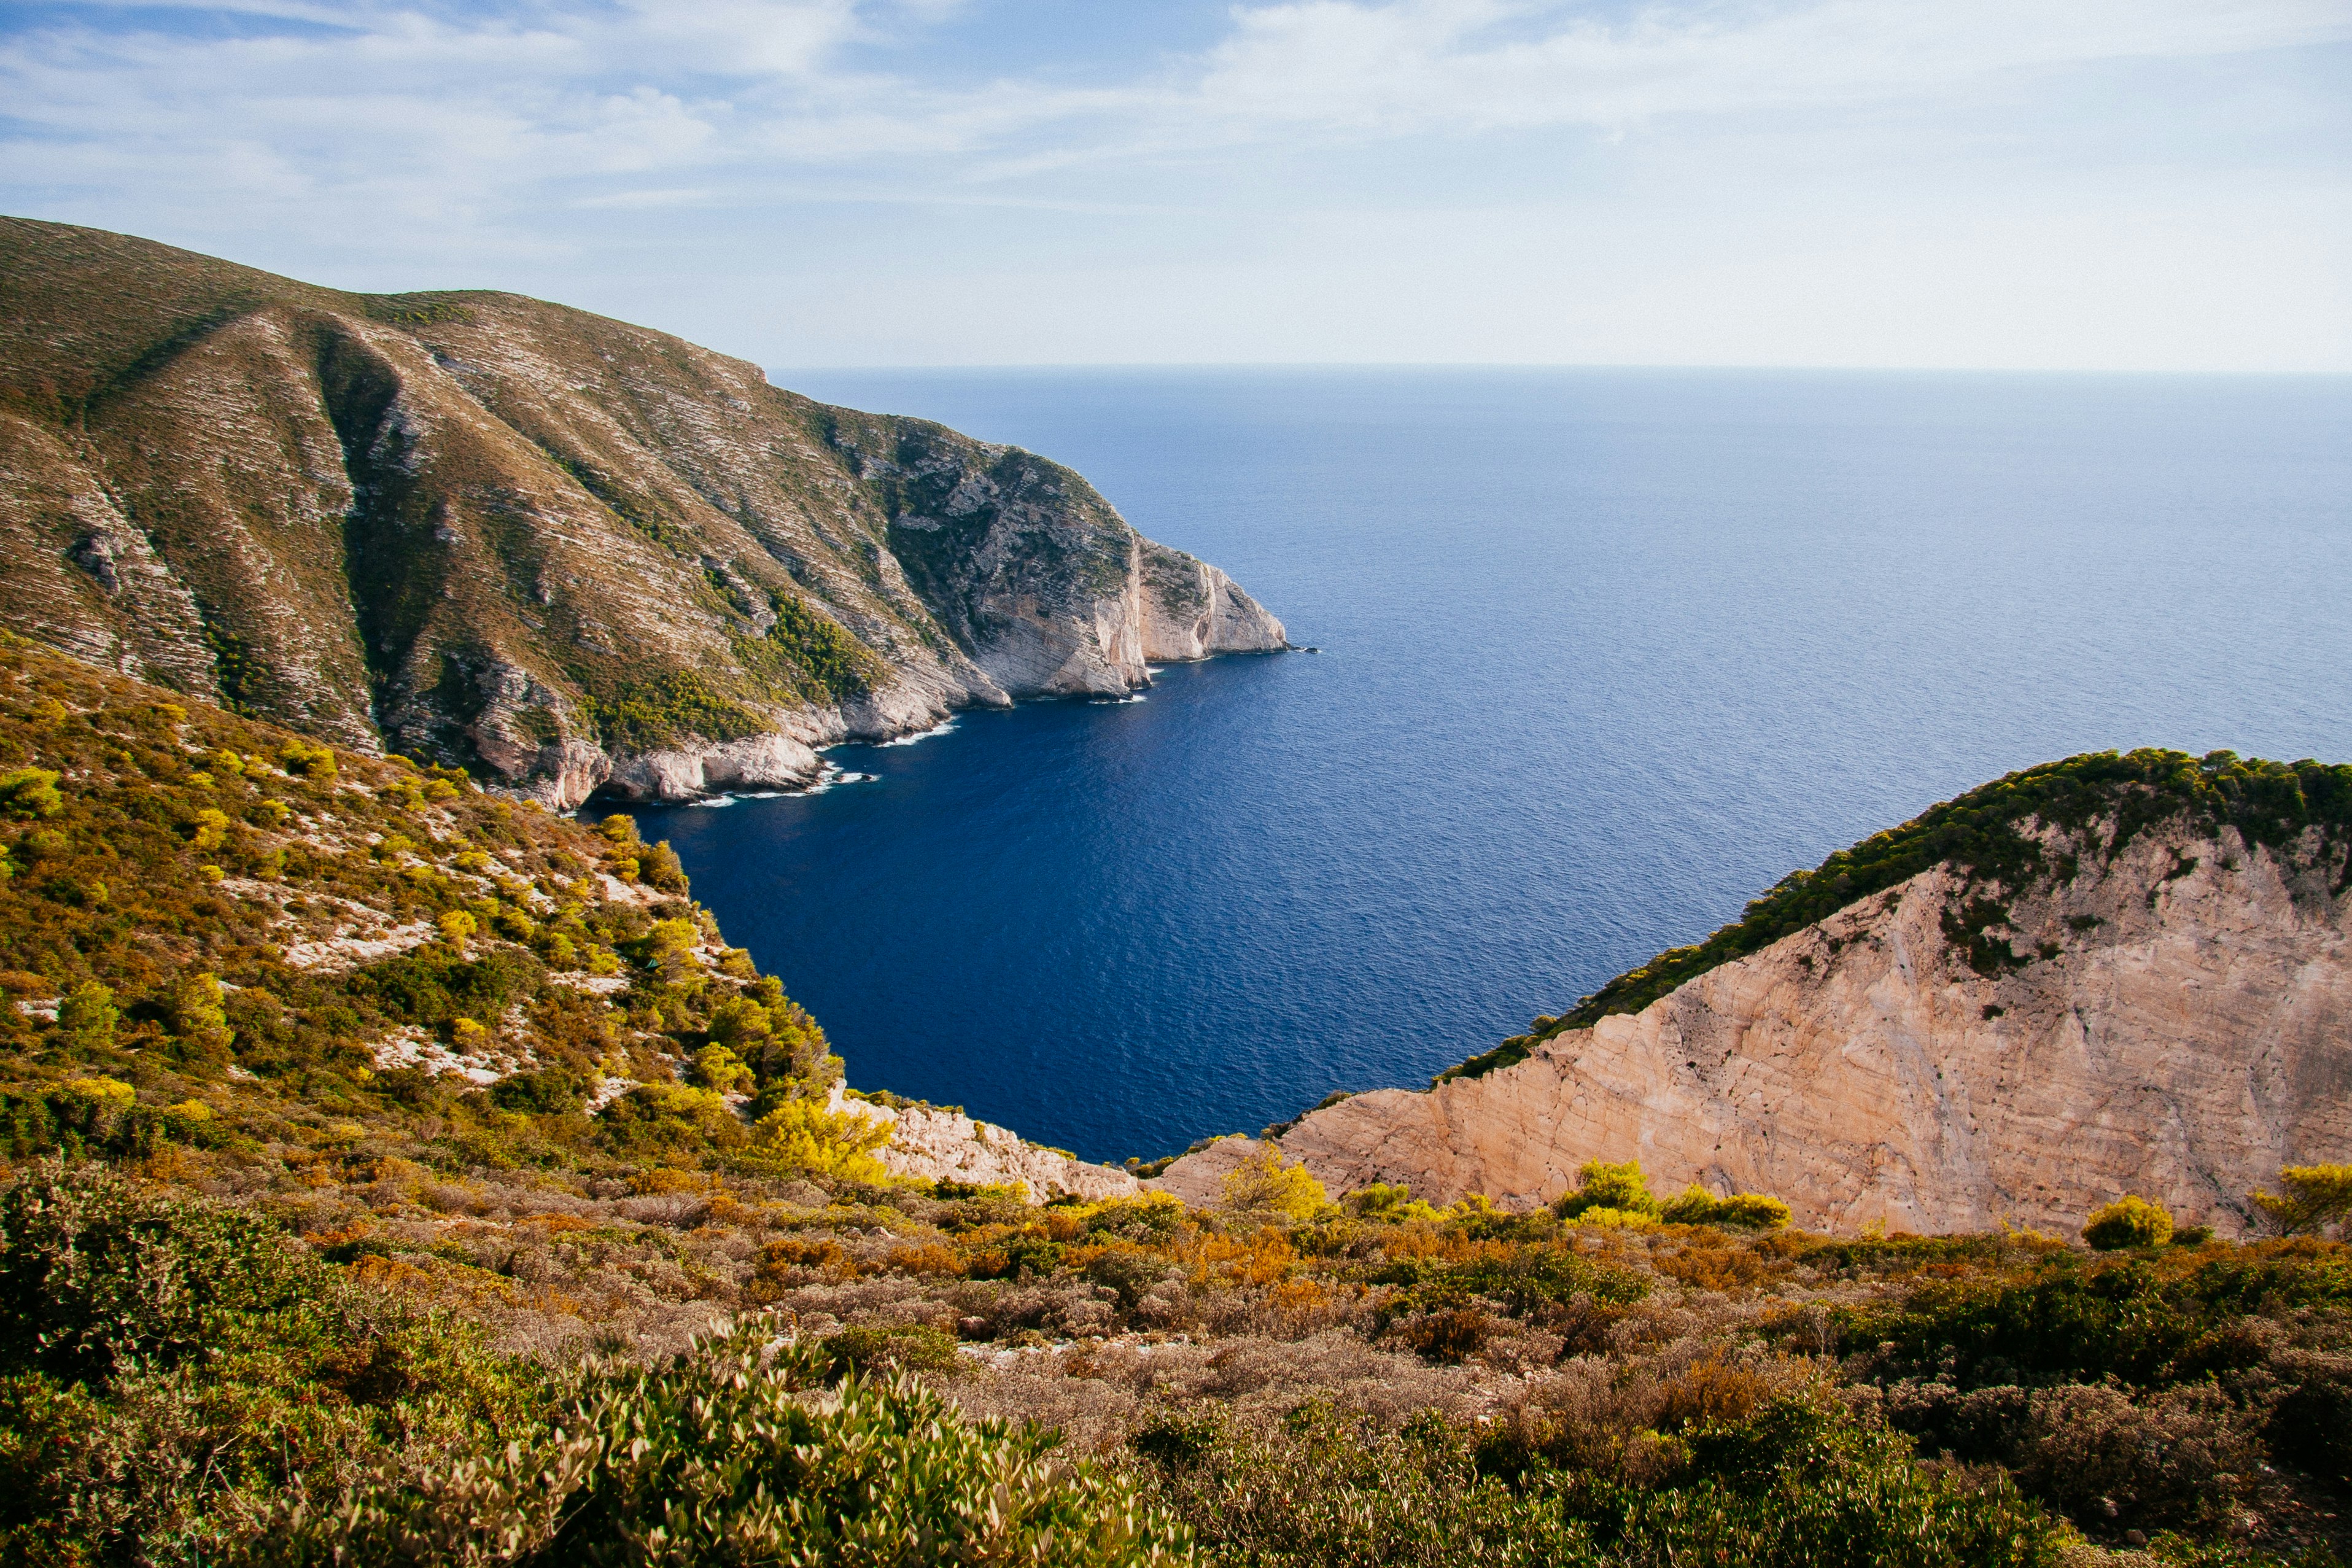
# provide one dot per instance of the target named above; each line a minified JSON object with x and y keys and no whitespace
{"x":569,"y":775}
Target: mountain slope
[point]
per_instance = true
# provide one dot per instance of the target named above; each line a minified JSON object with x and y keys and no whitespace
{"x":560,"y":550}
{"x":211,"y":928}
{"x":2107,"y":974}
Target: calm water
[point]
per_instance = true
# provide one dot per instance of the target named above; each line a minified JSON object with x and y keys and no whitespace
{"x":1604,"y":653}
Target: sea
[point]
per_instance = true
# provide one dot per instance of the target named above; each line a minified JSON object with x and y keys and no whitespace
{"x":1597,"y":656}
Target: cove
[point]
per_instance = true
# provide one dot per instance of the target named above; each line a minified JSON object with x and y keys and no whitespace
{"x":1605,"y":653}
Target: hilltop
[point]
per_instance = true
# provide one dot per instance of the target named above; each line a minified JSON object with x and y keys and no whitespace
{"x":562,"y":552}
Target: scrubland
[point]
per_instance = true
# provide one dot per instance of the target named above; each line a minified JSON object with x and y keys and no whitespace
{"x":394,"y":1174}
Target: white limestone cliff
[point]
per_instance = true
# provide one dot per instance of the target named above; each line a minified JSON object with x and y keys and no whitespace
{"x":2189,"y":1034}
{"x":939,"y":1145}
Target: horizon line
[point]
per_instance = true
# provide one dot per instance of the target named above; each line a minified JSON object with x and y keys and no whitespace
{"x":936,"y":367}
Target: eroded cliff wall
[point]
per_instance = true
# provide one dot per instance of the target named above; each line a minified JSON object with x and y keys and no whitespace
{"x":2175,"y":1022}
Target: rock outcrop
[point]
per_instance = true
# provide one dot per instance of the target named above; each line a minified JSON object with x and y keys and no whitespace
{"x":938,"y":1145}
{"x":2172,"y":1019}
{"x":567,"y":553}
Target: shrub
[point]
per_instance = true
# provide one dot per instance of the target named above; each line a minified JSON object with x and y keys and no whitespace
{"x":2177,"y":1455}
{"x":1742,"y":1211}
{"x":1600,"y":1185}
{"x":869,"y":1474}
{"x":1265,"y":1183}
{"x":657,"y":1119}
{"x":716,"y":1067}
{"x":2127,"y":1222}
{"x":308,"y":761}
{"x":802,"y":1137}
{"x":658,"y":867}
{"x":169,"y":1367}
{"x":199,"y":1013}
{"x":87,"y":1016}
{"x":30,"y":792}
{"x":1332,"y":1487}
{"x":738,"y":1022}
{"x":898,"y":1347}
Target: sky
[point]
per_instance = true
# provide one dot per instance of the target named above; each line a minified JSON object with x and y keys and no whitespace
{"x":2095,"y":184}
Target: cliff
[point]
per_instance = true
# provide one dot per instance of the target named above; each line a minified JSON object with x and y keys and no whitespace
{"x":566,"y":552}
{"x":2117,"y":974}
{"x":931,"y":1143}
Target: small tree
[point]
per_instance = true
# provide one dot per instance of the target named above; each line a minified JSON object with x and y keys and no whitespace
{"x":2128,"y":1222}
{"x":200,"y":1014}
{"x":800,"y":1136}
{"x":2316,"y":1197}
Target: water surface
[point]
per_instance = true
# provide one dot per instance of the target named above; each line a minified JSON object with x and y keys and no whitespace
{"x":1605,"y":653}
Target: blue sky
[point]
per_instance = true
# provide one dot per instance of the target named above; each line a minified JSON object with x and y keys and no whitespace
{"x":2121,"y":184}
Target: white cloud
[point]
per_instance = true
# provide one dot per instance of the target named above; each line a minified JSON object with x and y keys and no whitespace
{"x":1476,"y":64}
{"x":459,"y":134}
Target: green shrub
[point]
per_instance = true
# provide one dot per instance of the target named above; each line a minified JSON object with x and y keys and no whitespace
{"x":900,"y":1347}
{"x":1332,"y":1488}
{"x":1601,"y":1186}
{"x":1741,"y":1211}
{"x":865,"y":1474}
{"x":2127,"y":1222}
{"x":1798,"y":1485}
{"x":87,"y":1017}
{"x":168,"y":1367}
{"x":30,"y":791}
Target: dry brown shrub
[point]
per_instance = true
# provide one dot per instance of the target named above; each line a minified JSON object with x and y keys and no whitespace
{"x":783,"y":1260}
{"x":1451,"y":1336}
{"x":929,"y":1258}
{"x":1713,"y":1391}
{"x":1723,"y":1268}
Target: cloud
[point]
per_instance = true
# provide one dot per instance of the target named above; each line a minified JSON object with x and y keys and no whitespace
{"x":1418,"y":65}
{"x":311,"y":134}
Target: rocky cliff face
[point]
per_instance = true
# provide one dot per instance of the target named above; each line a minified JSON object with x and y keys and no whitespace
{"x":2169,"y":1015}
{"x":940,"y":1145}
{"x":568,"y":552}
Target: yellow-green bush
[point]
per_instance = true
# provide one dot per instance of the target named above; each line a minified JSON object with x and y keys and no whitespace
{"x":802,"y":1137}
{"x":2129,"y":1221}
{"x":1266,"y":1183}
{"x":1618,"y":1188}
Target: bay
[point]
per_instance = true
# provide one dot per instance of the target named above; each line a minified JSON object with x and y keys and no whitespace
{"x":1603,"y":653}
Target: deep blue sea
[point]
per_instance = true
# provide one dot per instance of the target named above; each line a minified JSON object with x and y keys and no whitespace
{"x":1604,"y":653}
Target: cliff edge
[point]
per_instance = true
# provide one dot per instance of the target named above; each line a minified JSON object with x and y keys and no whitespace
{"x":566,"y":552}
{"x":2116,"y":974}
